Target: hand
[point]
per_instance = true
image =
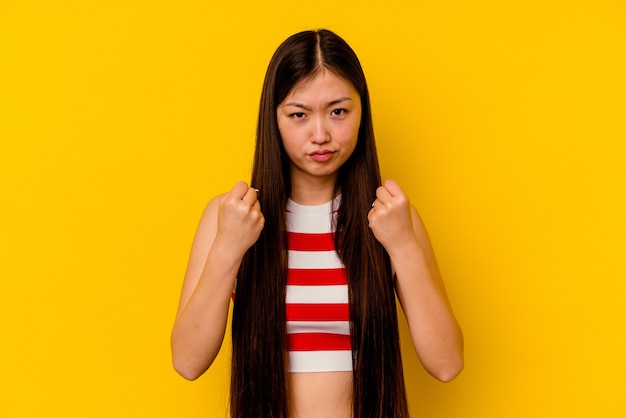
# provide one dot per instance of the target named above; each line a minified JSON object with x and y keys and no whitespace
{"x":390,"y":216}
{"x":239,"y":218}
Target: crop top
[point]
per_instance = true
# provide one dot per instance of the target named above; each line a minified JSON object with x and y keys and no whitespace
{"x":317,"y":311}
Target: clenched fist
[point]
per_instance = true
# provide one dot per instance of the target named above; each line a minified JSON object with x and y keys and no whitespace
{"x":390,"y":217}
{"x":239,"y":218}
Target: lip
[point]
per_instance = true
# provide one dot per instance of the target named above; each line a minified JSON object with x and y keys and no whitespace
{"x":321,"y":155}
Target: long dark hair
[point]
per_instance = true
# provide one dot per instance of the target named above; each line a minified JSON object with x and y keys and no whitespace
{"x":259,"y":366}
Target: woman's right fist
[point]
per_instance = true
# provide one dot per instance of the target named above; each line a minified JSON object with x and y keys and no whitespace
{"x":239,"y":218}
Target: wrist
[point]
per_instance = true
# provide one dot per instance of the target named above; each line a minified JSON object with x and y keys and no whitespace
{"x":408,"y":247}
{"x":227,"y":250}
{"x":224,"y":261}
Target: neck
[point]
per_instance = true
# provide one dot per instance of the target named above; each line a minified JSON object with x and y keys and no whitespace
{"x":312,"y":191}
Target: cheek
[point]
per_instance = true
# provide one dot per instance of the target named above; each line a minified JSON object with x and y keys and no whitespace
{"x":285,"y":133}
{"x":281,"y":128}
{"x":351,"y":129}
{"x":290,"y":140}
{"x":349,"y":133}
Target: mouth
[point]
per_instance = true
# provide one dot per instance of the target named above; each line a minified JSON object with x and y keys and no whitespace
{"x":321,"y":155}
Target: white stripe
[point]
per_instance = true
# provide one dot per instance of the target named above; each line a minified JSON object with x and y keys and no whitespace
{"x":314,"y":260}
{"x":327,"y":327}
{"x":320,"y":361}
{"x":317,"y":294}
{"x":309,"y":224}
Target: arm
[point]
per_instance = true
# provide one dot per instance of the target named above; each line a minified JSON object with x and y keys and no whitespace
{"x":230,"y":224}
{"x":435,"y":333}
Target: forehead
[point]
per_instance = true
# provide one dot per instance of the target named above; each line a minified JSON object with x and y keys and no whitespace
{"x":323,"y":85}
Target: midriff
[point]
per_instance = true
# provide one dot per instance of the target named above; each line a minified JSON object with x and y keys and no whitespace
{"x":320,"y":395}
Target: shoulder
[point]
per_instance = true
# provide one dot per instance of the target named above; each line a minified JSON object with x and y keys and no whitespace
{"x":209,"y":216}
{"x":422,"y":236}
{"x":418,"y":223}
{"x":211,"y":208}
{"x":416,"y":218}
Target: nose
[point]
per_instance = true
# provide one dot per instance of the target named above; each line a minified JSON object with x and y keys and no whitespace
{"x":320,"y":133}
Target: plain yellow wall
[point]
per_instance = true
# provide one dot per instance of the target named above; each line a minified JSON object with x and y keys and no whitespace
{"x":503,"y":120}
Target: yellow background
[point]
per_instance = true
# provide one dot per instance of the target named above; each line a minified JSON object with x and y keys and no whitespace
{"x":503,"y":120}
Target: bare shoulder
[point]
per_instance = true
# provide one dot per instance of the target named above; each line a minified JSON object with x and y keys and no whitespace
{"x":209,"y":215}
{"x":418,"y":223}
{"x":207,"y":228}
{"x":422,"y":234}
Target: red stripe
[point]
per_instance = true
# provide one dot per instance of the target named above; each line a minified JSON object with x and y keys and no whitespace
{"x":298,"y":241}
{"x":318,"y":342}
{"x":318,"y":312}
{"x":317,"y":277}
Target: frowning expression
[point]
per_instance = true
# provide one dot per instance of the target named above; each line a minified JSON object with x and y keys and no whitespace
{"x":319,"y":125}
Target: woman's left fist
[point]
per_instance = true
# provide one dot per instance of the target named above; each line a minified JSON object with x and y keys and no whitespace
{"x":390,"y":216}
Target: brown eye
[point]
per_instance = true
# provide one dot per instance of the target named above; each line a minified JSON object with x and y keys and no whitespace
{"x":338,"y":112}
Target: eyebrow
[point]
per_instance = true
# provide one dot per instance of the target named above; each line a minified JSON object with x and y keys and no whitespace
{"x":329,"y":104}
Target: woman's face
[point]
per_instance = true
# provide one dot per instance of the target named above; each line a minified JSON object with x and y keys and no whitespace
{"x":319,"y":125}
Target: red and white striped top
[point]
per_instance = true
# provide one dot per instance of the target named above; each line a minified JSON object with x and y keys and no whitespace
{"x":318,"y":318}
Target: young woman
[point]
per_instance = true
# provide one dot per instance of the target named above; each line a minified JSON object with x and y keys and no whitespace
{"x":315,"y":251}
